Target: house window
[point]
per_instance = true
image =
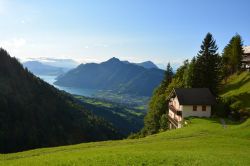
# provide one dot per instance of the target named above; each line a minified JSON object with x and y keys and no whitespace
{"x":194,"y":107}
{"x":204,"y":108}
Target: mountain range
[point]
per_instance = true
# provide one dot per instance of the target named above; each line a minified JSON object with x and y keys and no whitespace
{"x":114,"y":75}
{"x":35,"y":114}
{"x":56,"y":62}
{"x":39,"y":68}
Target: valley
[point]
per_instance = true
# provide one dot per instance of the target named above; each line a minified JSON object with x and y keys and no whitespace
{"x":124,"y":112}
{"x":107,"y":95}
{"x":127,"y":119}
{"x":124,"y":83}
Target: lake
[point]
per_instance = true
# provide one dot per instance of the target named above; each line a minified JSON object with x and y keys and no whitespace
{"x":77,"y":91}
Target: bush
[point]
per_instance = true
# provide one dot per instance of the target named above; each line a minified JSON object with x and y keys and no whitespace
{"x":221,"y":108}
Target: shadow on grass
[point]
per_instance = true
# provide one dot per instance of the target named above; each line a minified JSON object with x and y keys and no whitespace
{"x":237,"y":85}
{"x":215,"y":120}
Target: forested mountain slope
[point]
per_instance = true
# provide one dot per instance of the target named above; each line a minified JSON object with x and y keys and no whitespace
{"x":35,"y":114}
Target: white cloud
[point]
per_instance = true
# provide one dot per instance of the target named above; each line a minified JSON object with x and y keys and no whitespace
{"x":13,"y":43}
{"x":14,"y":46}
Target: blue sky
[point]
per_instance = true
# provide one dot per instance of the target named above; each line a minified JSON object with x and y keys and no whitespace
{"x":134,"y":30}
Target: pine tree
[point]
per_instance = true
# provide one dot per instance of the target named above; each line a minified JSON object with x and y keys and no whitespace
{"x":168,"y":76}
{"x":178,"y":80}
{"x":206,"y":72}
{"x":189,"y":74}
{"x":232,"y":55}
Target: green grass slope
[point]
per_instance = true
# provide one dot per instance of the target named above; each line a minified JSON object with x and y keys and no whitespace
{"x":237,"y":89}
{"x":202,"y":142}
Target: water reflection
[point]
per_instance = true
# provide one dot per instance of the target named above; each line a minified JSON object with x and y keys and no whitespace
{"x":78,"y":91}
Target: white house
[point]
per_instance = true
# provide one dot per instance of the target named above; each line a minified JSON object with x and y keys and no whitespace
{"x":185,"y":102}
{"x":246,"y":58}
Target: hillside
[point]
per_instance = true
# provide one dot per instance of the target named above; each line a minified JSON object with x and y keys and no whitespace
{"x":237,"y":91}
{"x":113,"y":75}
{"x":126,"y":119}
{"x":35,"y":114}
{"x":202,"y":142}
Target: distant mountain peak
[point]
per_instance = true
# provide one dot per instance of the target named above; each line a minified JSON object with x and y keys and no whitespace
{"x":114,"y":59}
{"x":148,"y":62}
{"x":148,"y":65}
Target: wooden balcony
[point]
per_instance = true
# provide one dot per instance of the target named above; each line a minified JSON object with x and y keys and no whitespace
{"x":174,"y":110}
{"x":177,"y":115}
{"x":173,"y":121}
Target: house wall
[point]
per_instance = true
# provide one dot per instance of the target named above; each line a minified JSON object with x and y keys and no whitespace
{"x":187,"y":110}
{"x":176,"y":103}
{"x":171,"y":114}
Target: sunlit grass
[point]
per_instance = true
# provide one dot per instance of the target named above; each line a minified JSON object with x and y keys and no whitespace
{"x":202,"y":142}
{"x":238,"y":87}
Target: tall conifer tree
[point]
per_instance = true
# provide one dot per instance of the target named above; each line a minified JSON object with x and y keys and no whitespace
{"x":232,"y":55}
{"x":167,"y":77}
{"x":207,"y":66}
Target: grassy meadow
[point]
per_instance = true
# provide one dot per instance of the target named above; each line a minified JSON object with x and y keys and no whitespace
{"x":238,"y":89}
{"x":201,"y":142}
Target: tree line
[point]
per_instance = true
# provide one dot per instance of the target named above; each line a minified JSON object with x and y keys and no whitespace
{"x":206,"y":70}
